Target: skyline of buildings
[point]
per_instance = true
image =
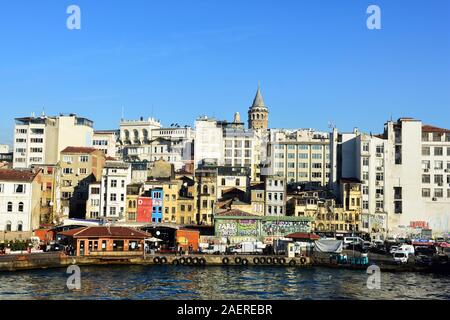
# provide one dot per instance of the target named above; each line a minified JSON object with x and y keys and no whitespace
{"x":384,"y":182}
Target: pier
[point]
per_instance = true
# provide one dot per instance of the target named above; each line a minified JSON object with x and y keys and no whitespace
{"x":60,"y":260}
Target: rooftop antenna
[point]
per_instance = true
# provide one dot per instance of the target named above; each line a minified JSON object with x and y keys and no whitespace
{"x":43,"y":111}
{"x":331,"y":125}
{"x":123,"y":113}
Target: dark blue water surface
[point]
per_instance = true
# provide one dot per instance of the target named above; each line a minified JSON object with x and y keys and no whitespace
{"x":170,"y":282}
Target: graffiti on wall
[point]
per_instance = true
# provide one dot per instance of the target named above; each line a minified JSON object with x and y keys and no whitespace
{"x":237,"y":228}
{"x":283,"y":228}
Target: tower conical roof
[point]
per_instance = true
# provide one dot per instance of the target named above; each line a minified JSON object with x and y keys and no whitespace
{"x":258,"y":102}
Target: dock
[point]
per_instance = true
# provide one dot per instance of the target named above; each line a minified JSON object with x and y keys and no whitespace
{"x":24,"y":262}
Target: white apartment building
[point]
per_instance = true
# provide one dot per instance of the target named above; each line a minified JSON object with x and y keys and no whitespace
{"x":106,"y":141}
{"x":115,"y":178}
{"x":404,"y":174}
{"x":4,"y":148}
{"x":208,"y":144}
{"x":147,"y":140}
{"x":228,"y":144}
{"x":93,"y":205}
{"x":40,"y":140}
{"x":20,"y":195}
{"x":365,"y":158}
{"x":275,"y":196}
{"x":418,"y":178}
{"x":300,"y":156}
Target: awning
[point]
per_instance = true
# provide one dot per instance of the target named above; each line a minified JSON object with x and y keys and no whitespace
{"x":303,"y":236}
{"x":444,"y":245}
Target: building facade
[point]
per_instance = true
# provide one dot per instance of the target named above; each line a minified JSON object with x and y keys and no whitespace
{"x":302,"y":156}
{"x":40,"y":140}
{"x":20,"y":196}
{"x":115,"y":179}
{"x":79,"y":167}
{"x":275,"y":195}
{"x":106,"y":141}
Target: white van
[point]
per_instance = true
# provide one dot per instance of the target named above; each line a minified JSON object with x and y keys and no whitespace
{"x":407,"y":248}
{"x":401,"y":256}
{"x":355,"y":240}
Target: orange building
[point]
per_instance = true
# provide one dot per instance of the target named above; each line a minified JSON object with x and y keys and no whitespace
{"x":104,"y":240}
{"x":186,"y":239}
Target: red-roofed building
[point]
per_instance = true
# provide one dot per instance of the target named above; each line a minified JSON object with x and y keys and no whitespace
{"x":104,"y":240}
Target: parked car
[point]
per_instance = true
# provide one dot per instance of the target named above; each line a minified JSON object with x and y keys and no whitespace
{"x":380,"y":249}
{"x":423,"y":260}
{"x":426,"y":250}
{"x":393,"y":249}
{"x":351,"y":240}
{"x":378,"y":243}
{"x":391,"y":241}
{"x":401,"y":256}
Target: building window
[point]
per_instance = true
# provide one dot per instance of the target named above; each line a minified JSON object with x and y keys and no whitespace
{"x":436,"y":136}
{"x":112,"y":211}
{"x":20,"y":226}
{"x":425,"y":136}
{"x":8,"y":226}
{"x":438,"y":193}
{"x":67,"y":159}
{"x":19,"y":188}
{"x":426,"y":193}
{"x":2,"y":186}
{"x":20,"y":206}
{"x":113,"y":183}
{"x":438,"y":151}
{"x":113,"y":197}
{"x":9,"y":207}
{"x":426,"y":178}
{"x":366,"y":161}
{"x":426,"y":151}
{"x":438,"y":179}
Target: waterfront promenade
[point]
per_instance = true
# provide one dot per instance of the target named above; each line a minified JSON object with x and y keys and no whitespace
{"x":60,"y":260}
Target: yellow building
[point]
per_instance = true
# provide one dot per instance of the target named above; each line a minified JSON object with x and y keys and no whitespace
{"x":329,"y":216}
{"x":132,"y":197}
{"x":171,"y":189}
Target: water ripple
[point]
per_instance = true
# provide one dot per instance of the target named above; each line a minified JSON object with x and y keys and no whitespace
{"x":223,"y":283}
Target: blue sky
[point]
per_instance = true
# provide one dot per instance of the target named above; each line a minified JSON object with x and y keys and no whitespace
{"x":316,"y":60}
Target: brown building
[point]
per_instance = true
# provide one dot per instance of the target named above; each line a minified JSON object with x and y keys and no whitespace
{"x":104,"y":240}
{"x":48,"y":179}
{"x":206,"y":181}
{"x":79,"y":167}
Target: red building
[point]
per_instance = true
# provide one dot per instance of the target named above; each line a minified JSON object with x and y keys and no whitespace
{"x":144,"y":210}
